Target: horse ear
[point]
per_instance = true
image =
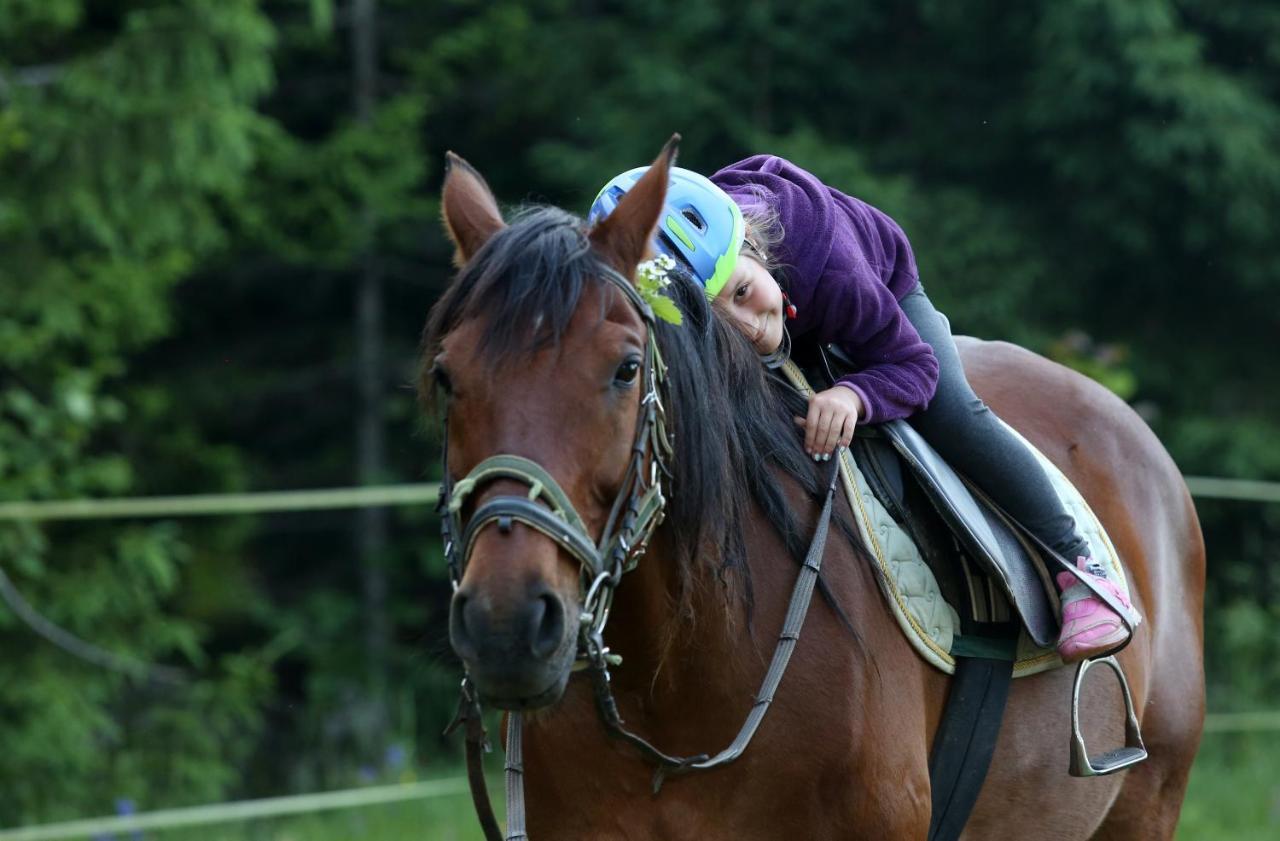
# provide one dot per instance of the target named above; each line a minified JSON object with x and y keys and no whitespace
{"x":469,"y":209}
{"x":623,"y":238}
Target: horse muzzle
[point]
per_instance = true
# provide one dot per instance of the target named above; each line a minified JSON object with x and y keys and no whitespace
{"x":518,"y":651}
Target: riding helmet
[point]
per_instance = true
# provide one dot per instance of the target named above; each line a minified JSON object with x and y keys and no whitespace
{"x":700,"y":225}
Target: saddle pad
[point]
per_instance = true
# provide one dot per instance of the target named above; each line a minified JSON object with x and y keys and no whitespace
{"x":929,"y":622}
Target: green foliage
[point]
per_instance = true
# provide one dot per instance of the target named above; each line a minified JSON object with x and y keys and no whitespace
{"x":1244,"y":634}
{"x":116,"y":160}
{"x":651,"y":279}
{"x":1106,"y":363}
{"x":307,"y":200}
{"x":38,"y":21}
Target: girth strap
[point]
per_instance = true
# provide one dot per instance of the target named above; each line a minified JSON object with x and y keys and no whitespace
{"x":966,"y":741}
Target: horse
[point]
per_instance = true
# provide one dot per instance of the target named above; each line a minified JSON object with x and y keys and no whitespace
{"x":536,"y":354}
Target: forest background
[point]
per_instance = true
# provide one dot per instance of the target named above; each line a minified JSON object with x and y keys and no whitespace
{"x":219,"y":238}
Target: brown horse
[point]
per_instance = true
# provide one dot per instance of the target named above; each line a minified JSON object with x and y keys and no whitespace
{"x":539,"y":355}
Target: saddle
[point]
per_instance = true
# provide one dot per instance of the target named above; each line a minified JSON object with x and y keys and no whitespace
{"x":961,"y":577}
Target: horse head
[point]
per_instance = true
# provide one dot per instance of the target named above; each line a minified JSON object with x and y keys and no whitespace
{"x":542,"y":353}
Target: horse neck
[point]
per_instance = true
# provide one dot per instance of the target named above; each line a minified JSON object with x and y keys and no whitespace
{"x":692,"y":696}
{"x":718,"y":652}
{"x":665,"y":654}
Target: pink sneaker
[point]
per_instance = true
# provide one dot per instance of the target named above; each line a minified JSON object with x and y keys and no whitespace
{"x":1089,"y":627}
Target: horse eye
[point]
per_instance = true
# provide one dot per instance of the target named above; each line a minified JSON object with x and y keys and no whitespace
{"x":441,"y":376}
{"x":627,"y":372}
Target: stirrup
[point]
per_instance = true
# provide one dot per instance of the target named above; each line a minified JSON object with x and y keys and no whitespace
{"x":1133,"y":752}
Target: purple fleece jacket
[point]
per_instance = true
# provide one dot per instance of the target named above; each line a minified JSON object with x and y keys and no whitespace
{"x":846,"y":265}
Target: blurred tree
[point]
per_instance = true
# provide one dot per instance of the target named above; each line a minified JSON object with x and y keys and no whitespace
{"x":328,"y":228}
{"x":124,"y":130}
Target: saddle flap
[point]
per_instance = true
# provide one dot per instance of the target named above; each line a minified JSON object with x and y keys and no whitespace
{"x":987,"y":538}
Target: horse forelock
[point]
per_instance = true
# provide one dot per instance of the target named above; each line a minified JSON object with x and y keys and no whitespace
{"x":523,"y":285}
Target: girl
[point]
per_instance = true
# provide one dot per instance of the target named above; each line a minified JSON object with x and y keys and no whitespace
{"x":848,"y":277}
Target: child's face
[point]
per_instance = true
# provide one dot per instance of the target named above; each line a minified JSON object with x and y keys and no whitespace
{"x":752,"y":297}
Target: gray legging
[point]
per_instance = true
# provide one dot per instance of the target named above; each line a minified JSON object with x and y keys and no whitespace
{"x":967,"y":434}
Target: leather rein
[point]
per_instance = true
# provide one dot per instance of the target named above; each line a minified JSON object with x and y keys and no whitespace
{"x":636,"y":513}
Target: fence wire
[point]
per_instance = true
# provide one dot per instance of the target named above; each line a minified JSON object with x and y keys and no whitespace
{"x":272,"y":807}
{"x":206,"y":505}
{"x":426,"y":493}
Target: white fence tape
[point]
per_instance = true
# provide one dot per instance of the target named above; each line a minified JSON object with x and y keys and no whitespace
{"x":203,"y":505}
{"x":1244,"y":490}
{"x":243,"y":810}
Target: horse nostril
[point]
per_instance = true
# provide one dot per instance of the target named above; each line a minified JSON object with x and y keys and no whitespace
{"x":458,"y":633}
{"x":546,"y":625}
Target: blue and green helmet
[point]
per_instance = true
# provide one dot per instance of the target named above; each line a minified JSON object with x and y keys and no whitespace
{"x":700,"y":225}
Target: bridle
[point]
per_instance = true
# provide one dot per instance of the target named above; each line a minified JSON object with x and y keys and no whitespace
{"x":636,"y":512}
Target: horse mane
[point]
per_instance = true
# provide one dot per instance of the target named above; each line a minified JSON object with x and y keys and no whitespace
{"x":731,"y":422}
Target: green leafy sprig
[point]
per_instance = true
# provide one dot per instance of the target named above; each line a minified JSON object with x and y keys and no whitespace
{"x":651,"y":278}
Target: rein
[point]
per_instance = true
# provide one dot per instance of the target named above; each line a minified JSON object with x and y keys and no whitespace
{"x":636,"y":513}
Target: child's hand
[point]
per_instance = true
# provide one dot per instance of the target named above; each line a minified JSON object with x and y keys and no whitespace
{"x":833,"y":415}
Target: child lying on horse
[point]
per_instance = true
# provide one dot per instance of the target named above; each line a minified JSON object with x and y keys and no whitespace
{"x":782,"y":253}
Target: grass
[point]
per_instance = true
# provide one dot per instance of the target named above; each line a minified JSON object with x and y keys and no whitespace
{"x":1235,"y":789}
{"x":438,"y":819}
{"x":1234,"y":794}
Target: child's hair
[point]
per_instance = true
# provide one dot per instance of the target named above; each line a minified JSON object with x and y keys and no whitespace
{"x":763,"y":227}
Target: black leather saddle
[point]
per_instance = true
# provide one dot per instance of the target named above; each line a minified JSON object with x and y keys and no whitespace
{"x":947,"y":517}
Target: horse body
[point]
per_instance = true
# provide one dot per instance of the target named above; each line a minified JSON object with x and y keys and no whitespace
{"x":844,"y":753}
{"x":844,"y":750}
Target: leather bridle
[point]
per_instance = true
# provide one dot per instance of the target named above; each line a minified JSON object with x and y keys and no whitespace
{"x":637,"y":510}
